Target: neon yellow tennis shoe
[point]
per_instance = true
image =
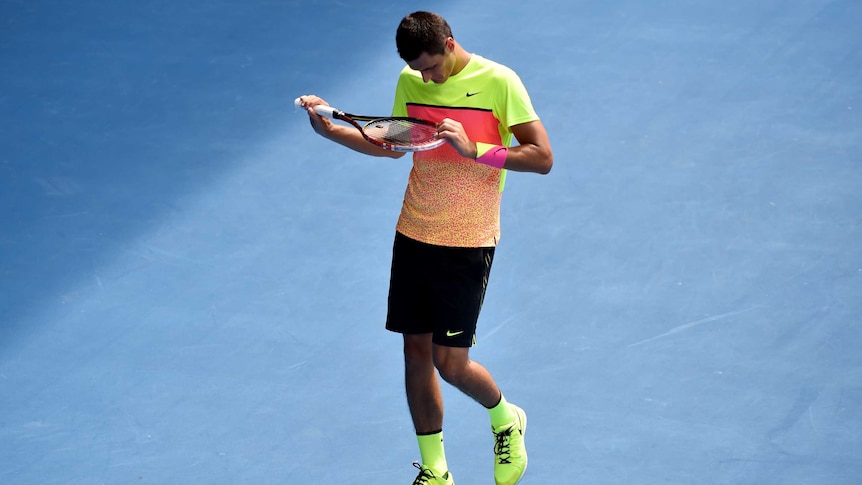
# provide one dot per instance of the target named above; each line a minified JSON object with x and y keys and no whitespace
{"x":428,"y":477}
{"x":510,"y":454}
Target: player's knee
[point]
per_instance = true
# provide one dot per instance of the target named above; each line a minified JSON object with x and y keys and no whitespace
{"x":451,"y":363}
{"x":417,"y":350}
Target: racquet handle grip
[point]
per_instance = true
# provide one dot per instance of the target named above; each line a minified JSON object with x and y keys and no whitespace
{"x":319,"y":109}
{"x":324,"y":110}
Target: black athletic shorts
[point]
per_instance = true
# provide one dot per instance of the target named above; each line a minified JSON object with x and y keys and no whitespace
{"x":438,"y":290}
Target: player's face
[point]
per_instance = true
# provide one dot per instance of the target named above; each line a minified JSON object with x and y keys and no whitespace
{"x":436,"y":68}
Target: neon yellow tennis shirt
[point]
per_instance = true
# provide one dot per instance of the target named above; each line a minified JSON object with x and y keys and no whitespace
{"x":451,"y":200}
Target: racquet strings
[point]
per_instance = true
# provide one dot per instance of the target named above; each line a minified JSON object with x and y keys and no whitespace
{"x":404,"y":133}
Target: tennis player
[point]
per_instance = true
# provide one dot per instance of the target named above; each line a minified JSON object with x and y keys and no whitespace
{"x":449,"y":226}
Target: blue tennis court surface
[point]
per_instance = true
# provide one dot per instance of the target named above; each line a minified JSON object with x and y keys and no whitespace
{"x":193,"y":284}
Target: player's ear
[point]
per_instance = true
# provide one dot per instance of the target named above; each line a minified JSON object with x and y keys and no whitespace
{"x":450,"y":44}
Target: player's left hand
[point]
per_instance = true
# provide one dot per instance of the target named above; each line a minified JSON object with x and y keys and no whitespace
{"x":455,"y":135}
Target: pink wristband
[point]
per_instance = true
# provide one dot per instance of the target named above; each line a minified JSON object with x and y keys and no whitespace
{"x":491,"y":155}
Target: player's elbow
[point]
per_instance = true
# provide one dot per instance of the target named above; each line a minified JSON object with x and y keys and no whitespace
{"x":546,"y":163}
{"x":393,"y":154}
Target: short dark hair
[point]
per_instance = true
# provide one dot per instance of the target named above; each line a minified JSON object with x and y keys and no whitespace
{"x":422,"y":32}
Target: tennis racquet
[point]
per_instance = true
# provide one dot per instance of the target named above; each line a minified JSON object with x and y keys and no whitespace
{"x":396,"y":133}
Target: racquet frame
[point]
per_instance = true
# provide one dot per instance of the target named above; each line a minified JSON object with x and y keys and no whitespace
{"x":354,"y":120}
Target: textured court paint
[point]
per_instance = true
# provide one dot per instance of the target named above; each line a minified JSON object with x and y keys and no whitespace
{"x":192,"y":285}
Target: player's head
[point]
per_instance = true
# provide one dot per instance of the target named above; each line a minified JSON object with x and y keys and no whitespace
{"x":425,"y":41}
{"x":422,"y":32}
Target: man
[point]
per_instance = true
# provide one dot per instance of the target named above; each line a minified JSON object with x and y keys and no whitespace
{"x":449,"y":226}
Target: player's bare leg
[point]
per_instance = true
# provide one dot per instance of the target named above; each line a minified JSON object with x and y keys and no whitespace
{"x":466,"y":375}
{"x":423,"y":388}
{"x":508,"y":422}
{"x":426,"y":408}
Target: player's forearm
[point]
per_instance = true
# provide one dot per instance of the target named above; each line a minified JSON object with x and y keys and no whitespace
{"x":351,"y":138}
{"x":530,"y":158}
{"x":533,"y":153}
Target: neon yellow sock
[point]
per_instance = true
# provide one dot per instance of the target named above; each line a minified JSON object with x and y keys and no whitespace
{"x":433,"y":454}
{"x":501,"y":414}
